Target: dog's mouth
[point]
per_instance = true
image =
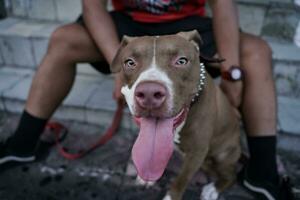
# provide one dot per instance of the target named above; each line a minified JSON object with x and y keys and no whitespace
{"x":153,"y":147}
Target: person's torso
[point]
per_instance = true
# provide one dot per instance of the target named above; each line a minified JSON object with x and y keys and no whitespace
{"x":152,"y":11}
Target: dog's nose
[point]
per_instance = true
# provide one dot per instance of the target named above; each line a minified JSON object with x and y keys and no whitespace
{"x":150,"y":95}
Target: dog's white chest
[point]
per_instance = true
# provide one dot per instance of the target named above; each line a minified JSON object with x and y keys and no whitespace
{"x":177,"y":131}
{"x":177,"y":138}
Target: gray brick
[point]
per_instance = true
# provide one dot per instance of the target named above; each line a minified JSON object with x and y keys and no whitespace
{"x":75,"y":105}
{"x":20,"y":90}
{"x":42,"y":9}
{"x":39,"y":49}
{"x":62,"y":10}
{"x":298,"y":78}
{"x":87,"y":69}
{"x":285,"y":52}
{"x":8,"y":79}
{"x":284,"y":86}
{"x":251,"y":18}
{"x":21,"y":29}
{"x":288,"y":142}
{"x":14,"y":105}
{"x":25,"y":38}
{"x":286,"y":79}
{"x":297,"y":35}
{"x":19,"y":7}
{"x":6,"y":51}
{"x":7,"y":23}
{"x":1,"y":58}
{"x":102,"y":101}
{"x":46,"y":30}
{"x":2,"y":107}
{"x":288,"y":114}
{"x":263,"y":2}
{"x":100,"y":117}
{"x":104,"y":118}
{"x":12,"y":79}
{"x":68,"y":10}
{"x":70,"y":113}
{"x":102,"y":98}
{"x":82,"y":91}
{"x":40,"y":40}
{"x":16,"y":71}
{"x":281,"y":23}
{"x":24,"y":28}
{"x":17,"y":51}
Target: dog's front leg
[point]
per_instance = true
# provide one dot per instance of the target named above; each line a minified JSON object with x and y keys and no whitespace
{"x":191,"y":165}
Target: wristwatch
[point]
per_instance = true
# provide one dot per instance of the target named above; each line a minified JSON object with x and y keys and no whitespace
{"x":234,"y":73}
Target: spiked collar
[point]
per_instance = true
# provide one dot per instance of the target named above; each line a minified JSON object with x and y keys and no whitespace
{"x":200,"y":85}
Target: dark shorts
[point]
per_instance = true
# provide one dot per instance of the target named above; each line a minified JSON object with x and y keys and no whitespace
{"x":126,"y":26}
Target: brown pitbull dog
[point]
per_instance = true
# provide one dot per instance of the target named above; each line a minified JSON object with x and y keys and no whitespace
{"x":173,"y":99}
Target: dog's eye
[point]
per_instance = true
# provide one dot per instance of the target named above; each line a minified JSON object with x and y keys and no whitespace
{"x":130,"y":63}
{"x":181,"y":61}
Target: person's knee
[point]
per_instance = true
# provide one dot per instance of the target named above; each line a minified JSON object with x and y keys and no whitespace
{"x":60,"y":45}
{"x":257,"y":49}
{"x":258,"y":54}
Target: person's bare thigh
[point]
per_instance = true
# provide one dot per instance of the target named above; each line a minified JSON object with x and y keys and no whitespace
{"x":76,"y":42}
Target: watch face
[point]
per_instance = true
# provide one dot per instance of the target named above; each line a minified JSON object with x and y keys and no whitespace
{"x":236,"y":74}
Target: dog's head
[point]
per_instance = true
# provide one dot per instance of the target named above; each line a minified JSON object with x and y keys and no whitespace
{"x":161,"y":75}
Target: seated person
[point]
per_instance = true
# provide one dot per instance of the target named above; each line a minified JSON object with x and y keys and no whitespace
{"x":96,"y":39}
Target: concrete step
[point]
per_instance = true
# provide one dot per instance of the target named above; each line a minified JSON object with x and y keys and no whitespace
{"x":276,"y":22}
{"x":287,"y":77}
{"x":50,"y":10}
{"x":90,"y":100}
{"x":265,"y":2}
{"x":68,"y":10}
{"x":23,"y":42}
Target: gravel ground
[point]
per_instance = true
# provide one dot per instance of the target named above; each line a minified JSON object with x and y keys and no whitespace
{"x":102,"y":174}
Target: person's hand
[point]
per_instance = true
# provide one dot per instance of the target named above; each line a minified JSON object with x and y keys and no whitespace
{"x":117,"y":95}
{"x":233,"y":91}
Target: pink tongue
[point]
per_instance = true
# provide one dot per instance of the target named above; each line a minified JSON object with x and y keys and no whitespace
{"x":153,"y":147}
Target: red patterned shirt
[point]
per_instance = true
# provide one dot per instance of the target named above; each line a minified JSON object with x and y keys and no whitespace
{"x":152,"y":11}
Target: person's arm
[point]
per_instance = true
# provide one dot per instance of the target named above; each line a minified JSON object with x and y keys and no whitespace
{"x":226,"y":30}
{"x":102,"y":29}
{"x":227,"y":35}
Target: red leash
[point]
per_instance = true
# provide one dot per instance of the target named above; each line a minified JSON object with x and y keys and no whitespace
{"x":105,"y":138}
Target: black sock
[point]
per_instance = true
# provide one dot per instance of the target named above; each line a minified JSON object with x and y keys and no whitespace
{"x":27,"y":134}
{"x":262,"y":164}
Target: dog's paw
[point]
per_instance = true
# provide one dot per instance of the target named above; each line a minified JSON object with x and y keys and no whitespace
{"x":167,"y":197}
{"x":209,"y":192}
{"x":139,"y":181}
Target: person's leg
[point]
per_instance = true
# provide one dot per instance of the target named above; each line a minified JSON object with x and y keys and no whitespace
{"x":259,"y":101}
{"x":52,"y":82}
{"x":68,"y":45}
{"x":259,"y":108}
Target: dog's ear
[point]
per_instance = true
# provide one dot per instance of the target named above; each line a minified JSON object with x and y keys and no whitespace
{"x":192,"y":36}
{"x":116,"y":63}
